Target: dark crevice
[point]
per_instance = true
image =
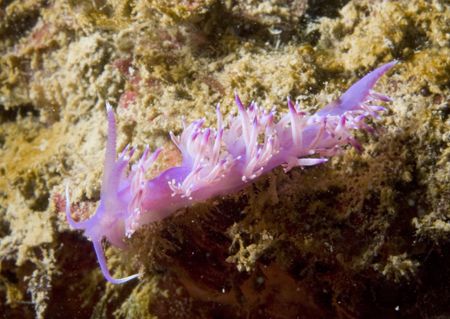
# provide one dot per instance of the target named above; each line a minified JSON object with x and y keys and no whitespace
{"x":325,"y":8}
{"x":11,"y":114}
{"x":5,"y":3}
{"x":4,"y":227}
{"x":18,"y":24}
{"x":76,"y":260}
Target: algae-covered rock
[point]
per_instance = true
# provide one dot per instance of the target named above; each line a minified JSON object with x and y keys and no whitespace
{"x":365,"y":235}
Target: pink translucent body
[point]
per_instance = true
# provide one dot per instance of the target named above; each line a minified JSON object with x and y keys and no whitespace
{"x":221,"y":160}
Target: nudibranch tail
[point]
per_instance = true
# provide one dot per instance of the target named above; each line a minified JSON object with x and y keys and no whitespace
{"x":359,"y":93}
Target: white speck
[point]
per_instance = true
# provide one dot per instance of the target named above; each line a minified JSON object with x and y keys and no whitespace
{"x":275,"y":31}
{"x":43,"y":146}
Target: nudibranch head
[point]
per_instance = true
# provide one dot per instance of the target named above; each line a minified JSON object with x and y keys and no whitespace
{"x":121,"y":197}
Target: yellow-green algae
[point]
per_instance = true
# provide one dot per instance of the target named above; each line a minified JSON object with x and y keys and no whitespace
{"x":312,"y":235}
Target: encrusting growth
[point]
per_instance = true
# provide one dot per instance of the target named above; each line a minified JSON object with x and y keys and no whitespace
{"x":221,"y":160}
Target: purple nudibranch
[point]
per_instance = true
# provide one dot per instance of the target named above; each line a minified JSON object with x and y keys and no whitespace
{"x":221,"y":160}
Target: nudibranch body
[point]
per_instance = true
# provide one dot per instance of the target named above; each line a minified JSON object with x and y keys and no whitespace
{"x":218,"y":161}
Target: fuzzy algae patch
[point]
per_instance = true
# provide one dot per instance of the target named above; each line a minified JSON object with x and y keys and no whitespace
{"x":342,"y":240}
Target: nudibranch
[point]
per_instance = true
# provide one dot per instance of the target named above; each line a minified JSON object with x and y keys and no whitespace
{"x":218,"y":161}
